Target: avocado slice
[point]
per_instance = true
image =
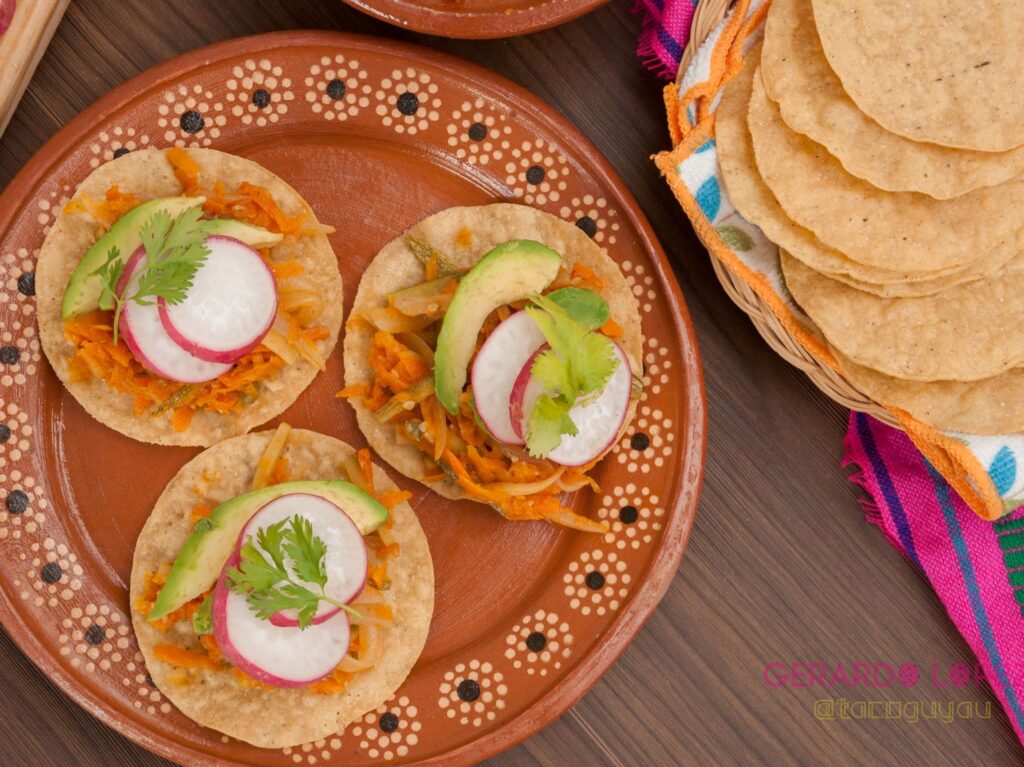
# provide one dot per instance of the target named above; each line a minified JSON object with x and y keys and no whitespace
{"x":84,"y":290}
{"x":510,"y":272}
{"x":213,"y":539}
{"x":252,"y":235}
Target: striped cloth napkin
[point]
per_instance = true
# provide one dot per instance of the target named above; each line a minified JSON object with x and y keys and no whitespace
{"x":664,"y":32}
{"x":976,"y":567}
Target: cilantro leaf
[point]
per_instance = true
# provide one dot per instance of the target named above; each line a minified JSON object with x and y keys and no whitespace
{"x":550,"y":370}
{"x":582,"y":305}
{"x":297,"y":561}
{"x":306,"y":551}
{"x":254,"y":572}
{"x":579,"y":363}
{"x":549,"y":421}
{"x":175,"y":249}
{"x":270,"y":539}
{"x":202,"y":618}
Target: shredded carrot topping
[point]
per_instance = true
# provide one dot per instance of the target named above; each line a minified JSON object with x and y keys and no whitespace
{"x":182,"y":658}
{"x":200,"y":511}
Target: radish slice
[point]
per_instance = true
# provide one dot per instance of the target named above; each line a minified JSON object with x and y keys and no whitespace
{"x":345,"y":561}
{"x":495,"y":369}
{"x":598,"y":421}
{"x":275,"y":655}
{"x":525,"y":392}
{"x":230,"y":306}
{"x":148,"y":341}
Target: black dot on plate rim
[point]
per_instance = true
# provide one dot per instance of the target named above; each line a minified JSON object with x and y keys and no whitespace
{"x":191,"y":121}
{"x":587,"y":225}
{"x":5,"y":433}
{"x":51,"y":572}
{"x":17,"y":502}
{"x":9,"y":355}
{"x":640,"y":441}
{"x":336,"y":89}
{"x":628,"y":515}
{"x":95,"y":634}
{"x":594,"y":580}
{"x":536,"y":641}
{"x":468,"y":690}
{"x":388,"y":721}
{"x":27,"y":284}
{"x":261,"y":98}
{"x":149,"y":680}
{"x":121,"y":152}
{"x":408,"y":104}
{"x":477,"y":132}
{"x":534,"y":174}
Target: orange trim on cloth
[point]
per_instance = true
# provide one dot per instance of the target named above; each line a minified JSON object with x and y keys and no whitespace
{"x":951,"y":458}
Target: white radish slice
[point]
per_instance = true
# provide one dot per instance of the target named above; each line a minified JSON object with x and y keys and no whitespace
{"x":148,"y":341}
{"x":345,"y":562}
{"x":279,"y":656}
{"x":599,"y":421}
{"x":495,"y":369}
{"x":230,"y":306}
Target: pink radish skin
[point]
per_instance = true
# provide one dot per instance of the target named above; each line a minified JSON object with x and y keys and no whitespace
{"x":523,"y":396}
{"x":599,"y":421}
{"x":148,"y":341}
{"x":495,"y":369}
{"x":346,"y":560}
{"x":230,"y":306}
{"x":274,"y":655}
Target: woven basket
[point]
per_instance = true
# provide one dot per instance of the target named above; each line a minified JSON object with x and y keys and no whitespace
{"x":706,"y":17}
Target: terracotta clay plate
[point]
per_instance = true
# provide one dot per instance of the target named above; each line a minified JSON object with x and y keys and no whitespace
{"x":375,"y":135}
{"x":476,"y":19}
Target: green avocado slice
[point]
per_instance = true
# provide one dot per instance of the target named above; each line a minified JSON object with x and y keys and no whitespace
{"x":213,"y":539}
{"x":510,"y":272}
{"x":252,"y":235}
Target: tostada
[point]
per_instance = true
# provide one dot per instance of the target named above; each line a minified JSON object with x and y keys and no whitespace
{"x":186,"y":296}
{"x":281,"y":588}
{"x":494,"y":353}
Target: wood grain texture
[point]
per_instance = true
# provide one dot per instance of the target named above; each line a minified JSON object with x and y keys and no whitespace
{"x":781,"y":565}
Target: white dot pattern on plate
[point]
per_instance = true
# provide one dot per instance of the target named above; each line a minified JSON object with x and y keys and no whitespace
{"x":539,"y":643}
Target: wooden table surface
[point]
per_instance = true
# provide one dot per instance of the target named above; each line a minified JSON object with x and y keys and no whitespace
{"x":781,"y":567}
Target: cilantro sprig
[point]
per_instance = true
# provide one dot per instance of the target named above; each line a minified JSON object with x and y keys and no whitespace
{"x":175,"y":249}
{"x":576,"y":367}
{"x":287,"y":571}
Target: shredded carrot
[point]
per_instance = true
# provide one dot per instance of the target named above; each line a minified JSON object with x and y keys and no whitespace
{"x":586,"y":276}
{"x":464,"y":237}
{"x":612,"y":329}
{"x":335,"y":683}
{"x":181,"y":419}
{"x":247,"y":682}
{"x":283,"y":270}
{"x":355,"y":390}
{"x":366,"y":467}
{"x":200,"y":511}
{"x":212,"y":648}
{"x":391,"y":498}
{"x":186,"y":170}
{"x":281,"y":472}
{"x":182,"y":658}
{"x":431,"y":267}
